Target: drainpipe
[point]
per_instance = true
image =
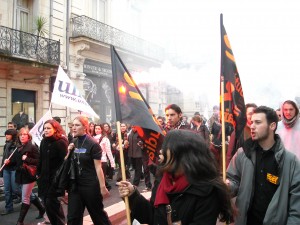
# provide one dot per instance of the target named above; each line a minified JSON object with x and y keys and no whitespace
{"x":51,"y":19}
{"x":68,"y":112}
{"x":67,"y":35}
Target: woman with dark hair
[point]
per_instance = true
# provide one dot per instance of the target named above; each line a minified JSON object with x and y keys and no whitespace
{"x":191,"y":190}
{"x":87,"y":189}
{"x":112,"y":138}
{"x":105,"y":145}
{"x":53,"y":149}
{"x":9,"y":171}
{"x":92,"y":129}
{"x":27,"y":154}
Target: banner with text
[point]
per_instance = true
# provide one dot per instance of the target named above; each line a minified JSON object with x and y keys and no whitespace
{"x":66,"y":94}
{"x":38,"y":129}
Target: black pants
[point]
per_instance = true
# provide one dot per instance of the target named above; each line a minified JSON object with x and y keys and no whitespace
{"x":137,"y":164}
{"x":54,"y":211}
{"x":89,"y":196}
{"x":104,"y":169}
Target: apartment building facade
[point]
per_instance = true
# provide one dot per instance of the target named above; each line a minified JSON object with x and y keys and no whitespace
{"x":77,"y":36}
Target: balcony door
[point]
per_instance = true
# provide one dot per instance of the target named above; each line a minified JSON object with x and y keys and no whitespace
{"x":22,"y":15}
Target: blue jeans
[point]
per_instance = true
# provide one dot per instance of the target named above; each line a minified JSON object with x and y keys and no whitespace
{"x":10,"y":188}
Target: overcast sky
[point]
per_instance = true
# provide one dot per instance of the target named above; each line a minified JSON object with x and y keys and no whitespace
{"x":264,"y":36}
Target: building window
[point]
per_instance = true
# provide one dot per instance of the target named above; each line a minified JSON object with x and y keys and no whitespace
{"x":22,"y":15}
{"x":98,"y":10}
{"x":23,"y":101}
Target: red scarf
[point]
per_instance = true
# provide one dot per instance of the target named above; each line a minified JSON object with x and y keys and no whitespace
{"x":169,"y":184}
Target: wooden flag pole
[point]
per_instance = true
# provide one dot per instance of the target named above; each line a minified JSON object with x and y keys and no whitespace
{"x":9,"y":158}
{"x":123,"y":171}
{"x":223,"y":131}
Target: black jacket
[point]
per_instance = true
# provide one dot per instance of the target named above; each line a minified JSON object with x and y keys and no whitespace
{"x":135,"y":150}
{"x":197,"y":204}
{"x":8,"y":149}
{"x":32,"y":153}
{"x":52,"y":154}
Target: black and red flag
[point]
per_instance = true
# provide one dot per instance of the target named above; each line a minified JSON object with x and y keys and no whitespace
{"x":132,"y":108}
{"x":234,"y":105}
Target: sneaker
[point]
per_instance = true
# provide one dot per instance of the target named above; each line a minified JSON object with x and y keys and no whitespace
{"x":5,"y":212}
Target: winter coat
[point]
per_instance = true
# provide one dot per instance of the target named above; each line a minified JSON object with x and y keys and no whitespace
{"x":52,"y":153}
{"x":32,"y":153}
{"x":284,"y":208}
{"x":290,"y":137}
{"x":8,"y":148}
{"x":134,"y":150}
{"x":196,"y":205}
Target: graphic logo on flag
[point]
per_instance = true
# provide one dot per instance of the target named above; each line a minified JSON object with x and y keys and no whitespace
{"x":132,"y":108}
{"x":234,"y":105}
{"x":38,"y":129}
{"x":66,"y":94}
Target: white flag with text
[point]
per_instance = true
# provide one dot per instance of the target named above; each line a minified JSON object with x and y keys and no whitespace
{"x":38,"y":129}
{"x":66,"y":94}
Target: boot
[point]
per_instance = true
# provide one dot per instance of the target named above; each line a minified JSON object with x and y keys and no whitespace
{"x":37,"y":203}
{"x":23,"y":212}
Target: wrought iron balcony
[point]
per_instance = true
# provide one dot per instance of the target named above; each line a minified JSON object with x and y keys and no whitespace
{"x":84,"y":26}
{"x":28,"y":46}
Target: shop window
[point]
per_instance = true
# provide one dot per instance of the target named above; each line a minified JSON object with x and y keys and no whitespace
{"x":23,"y":101}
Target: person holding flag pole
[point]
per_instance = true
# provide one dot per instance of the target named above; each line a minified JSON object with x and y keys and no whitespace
{"x":132,"y":108}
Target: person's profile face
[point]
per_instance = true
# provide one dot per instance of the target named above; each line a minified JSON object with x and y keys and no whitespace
{"x":278,"y":114}
{"x":8,"y":137}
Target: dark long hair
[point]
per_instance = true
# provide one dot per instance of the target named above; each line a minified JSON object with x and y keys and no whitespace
{"x":189,"y":153}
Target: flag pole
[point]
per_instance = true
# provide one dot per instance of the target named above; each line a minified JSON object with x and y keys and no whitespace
{"x":123,"y":171}
{"x":223,"y":130}
{"x":222,"y":110}
{"x":9,"y":158}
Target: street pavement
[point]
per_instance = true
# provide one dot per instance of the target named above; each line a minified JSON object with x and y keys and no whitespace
{"x":113,"y":204}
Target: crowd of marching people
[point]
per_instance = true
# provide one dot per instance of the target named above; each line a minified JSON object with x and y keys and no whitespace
{"x":262,"y":183}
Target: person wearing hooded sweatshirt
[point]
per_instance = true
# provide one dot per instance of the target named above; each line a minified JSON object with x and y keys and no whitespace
{"x":9,"y":170}
{"x":289,"y":127}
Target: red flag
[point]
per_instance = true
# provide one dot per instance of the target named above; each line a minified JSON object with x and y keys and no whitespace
{"x":234,"y":105}
{"x":132,"y":108}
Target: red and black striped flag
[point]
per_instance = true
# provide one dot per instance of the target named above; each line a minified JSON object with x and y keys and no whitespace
{"x":234,"y":105}
{"x":132,"y":108}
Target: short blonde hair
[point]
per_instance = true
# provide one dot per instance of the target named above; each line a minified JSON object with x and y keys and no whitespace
{"x":25,"y":130}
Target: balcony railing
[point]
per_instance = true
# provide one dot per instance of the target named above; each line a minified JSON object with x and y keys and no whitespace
{"x":84,"y":26}
{"x":29,"y":46}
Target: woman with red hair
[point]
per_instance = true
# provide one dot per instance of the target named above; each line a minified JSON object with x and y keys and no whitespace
{"x":53,"y":150}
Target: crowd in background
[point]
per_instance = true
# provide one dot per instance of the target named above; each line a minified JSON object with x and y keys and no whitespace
{"x":93,"y":150}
